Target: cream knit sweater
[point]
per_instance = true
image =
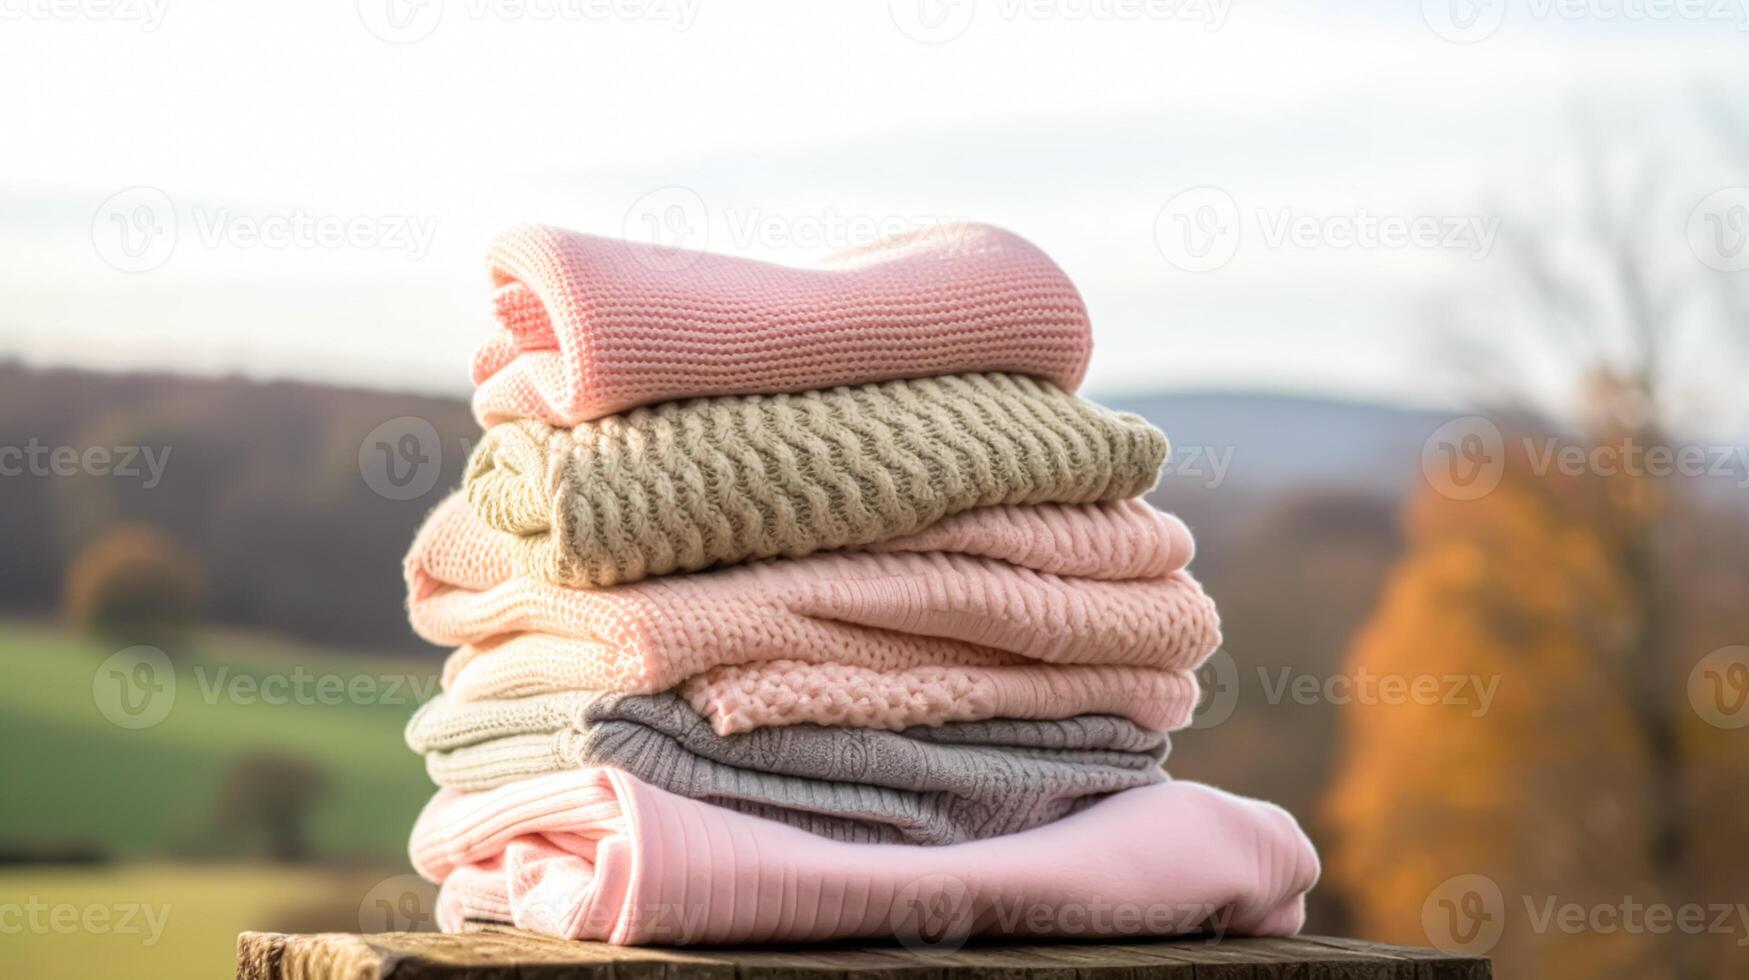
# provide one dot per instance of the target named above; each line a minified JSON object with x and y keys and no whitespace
{"x":683,"y":486}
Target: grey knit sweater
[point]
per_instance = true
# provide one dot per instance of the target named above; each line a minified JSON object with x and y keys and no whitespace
{"x":925,"y":785}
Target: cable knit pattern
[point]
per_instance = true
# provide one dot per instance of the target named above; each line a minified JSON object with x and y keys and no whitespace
{"x":595,"y":854}
{"x":687,"y":485}
{"x":593,"y":326}
{"x":925,"y":785}
{"x":890,"y":611}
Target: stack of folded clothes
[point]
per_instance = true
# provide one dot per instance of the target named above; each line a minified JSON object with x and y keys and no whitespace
{"x":795,"y":605}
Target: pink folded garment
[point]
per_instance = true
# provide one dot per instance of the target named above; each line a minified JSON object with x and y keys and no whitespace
{"x":595,"y":854}
{"x":983,"y":598}
{"x":786,"y":692}
{"x":769,"y":693}
{"x":594,"y":326}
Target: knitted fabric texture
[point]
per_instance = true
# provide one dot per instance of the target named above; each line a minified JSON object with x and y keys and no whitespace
{"x":744,"y":698}
{"x":687,"y":485}
{"x":997,"y":591}
{"x":787,"y":692}
{"x":593,"y":326}
{"x":925,"y":785}
{"x":595,"y":854}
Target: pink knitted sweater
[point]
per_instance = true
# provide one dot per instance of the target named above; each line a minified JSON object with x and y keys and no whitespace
{"x":952,"y":623}
{"x":593,"y":326}
{"x":595,"y":854}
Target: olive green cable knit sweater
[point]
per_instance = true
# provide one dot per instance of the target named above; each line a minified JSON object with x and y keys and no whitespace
{"x":683,"y":486}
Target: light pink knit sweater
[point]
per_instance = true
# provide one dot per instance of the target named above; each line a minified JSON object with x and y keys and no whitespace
{"x":593,"y":326}
{"x":952,"y":623}
{"x":595,"y":854}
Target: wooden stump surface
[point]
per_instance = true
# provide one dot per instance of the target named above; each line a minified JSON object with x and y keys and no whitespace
{"x":507,"y":954}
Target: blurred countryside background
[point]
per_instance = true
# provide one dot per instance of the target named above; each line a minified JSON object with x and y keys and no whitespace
{"x":1443,"y":305}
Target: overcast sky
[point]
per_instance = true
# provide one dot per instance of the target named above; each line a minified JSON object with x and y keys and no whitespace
{"x":1249,"y":194}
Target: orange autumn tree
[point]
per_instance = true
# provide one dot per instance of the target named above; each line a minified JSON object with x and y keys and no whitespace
{"x":1594,"y":781}
{"x":135,"y":584}
{"x":1525,"y":585}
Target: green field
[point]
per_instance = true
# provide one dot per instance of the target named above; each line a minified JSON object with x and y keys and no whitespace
{"x":161,"y":922}
{"x":72,"y":776}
